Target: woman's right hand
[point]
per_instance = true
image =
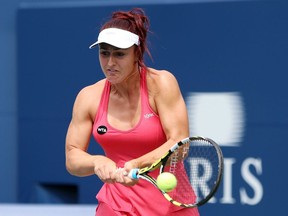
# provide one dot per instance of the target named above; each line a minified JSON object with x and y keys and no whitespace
{"x":105,"y":169}
{"x":108,"y":172}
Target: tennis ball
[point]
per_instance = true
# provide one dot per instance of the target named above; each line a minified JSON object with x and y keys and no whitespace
{"x":166,"y":181}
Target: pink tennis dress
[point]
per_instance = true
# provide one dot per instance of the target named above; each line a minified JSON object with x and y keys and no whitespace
{"x":122,"y":146}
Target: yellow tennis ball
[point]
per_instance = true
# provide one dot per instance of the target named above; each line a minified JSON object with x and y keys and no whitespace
{"x":166,"y":181}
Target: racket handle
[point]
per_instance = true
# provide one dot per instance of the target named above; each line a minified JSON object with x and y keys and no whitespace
{"x":133,"y":174}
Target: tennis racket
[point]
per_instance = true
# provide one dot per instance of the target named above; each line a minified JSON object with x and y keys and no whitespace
{"x":197,"y":163}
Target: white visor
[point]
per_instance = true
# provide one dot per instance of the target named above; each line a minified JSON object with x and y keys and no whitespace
{"x":117,"y":37}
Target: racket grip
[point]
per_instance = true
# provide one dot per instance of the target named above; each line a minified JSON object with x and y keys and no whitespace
{"x":133,"y":174}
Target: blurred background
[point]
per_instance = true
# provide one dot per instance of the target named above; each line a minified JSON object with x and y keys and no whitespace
{"x":231,"y":61}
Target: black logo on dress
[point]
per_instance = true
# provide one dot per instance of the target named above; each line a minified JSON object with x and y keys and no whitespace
{"x":101,"y":129}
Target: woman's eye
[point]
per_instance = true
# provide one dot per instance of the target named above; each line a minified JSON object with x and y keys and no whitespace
{"x":104,"y":53}
{"x":119,"y":54}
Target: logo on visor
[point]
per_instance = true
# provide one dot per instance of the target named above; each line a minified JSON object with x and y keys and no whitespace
{"x":101,"y":129}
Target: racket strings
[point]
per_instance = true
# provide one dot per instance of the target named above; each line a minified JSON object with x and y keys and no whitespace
{"x":195,"y":166}
{"x":202,"y":167}
{"x":173,"y":162}
{"x":178,"y":155}
{"x":183,"y":192}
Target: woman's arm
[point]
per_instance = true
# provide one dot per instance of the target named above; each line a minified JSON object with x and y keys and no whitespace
{"x":78,"y":161}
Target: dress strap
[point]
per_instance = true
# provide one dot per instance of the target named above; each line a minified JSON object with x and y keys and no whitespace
{"x":103,"y":105}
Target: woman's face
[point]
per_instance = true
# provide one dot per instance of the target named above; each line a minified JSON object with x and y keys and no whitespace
{"x":117,"y":64}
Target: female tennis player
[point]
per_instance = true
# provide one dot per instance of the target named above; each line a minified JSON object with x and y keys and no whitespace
{"x":136,"y":114}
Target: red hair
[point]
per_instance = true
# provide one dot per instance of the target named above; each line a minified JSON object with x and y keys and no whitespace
{"x":136,"y":22}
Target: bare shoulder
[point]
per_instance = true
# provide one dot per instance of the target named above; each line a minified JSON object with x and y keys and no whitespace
{"x":88,"y":98}
{"x":91,"y":91}
{"x":160,"y":74}
{"x":160,"y":80}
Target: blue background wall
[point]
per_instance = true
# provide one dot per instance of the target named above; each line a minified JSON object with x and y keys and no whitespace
{"x":233,"y":47}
